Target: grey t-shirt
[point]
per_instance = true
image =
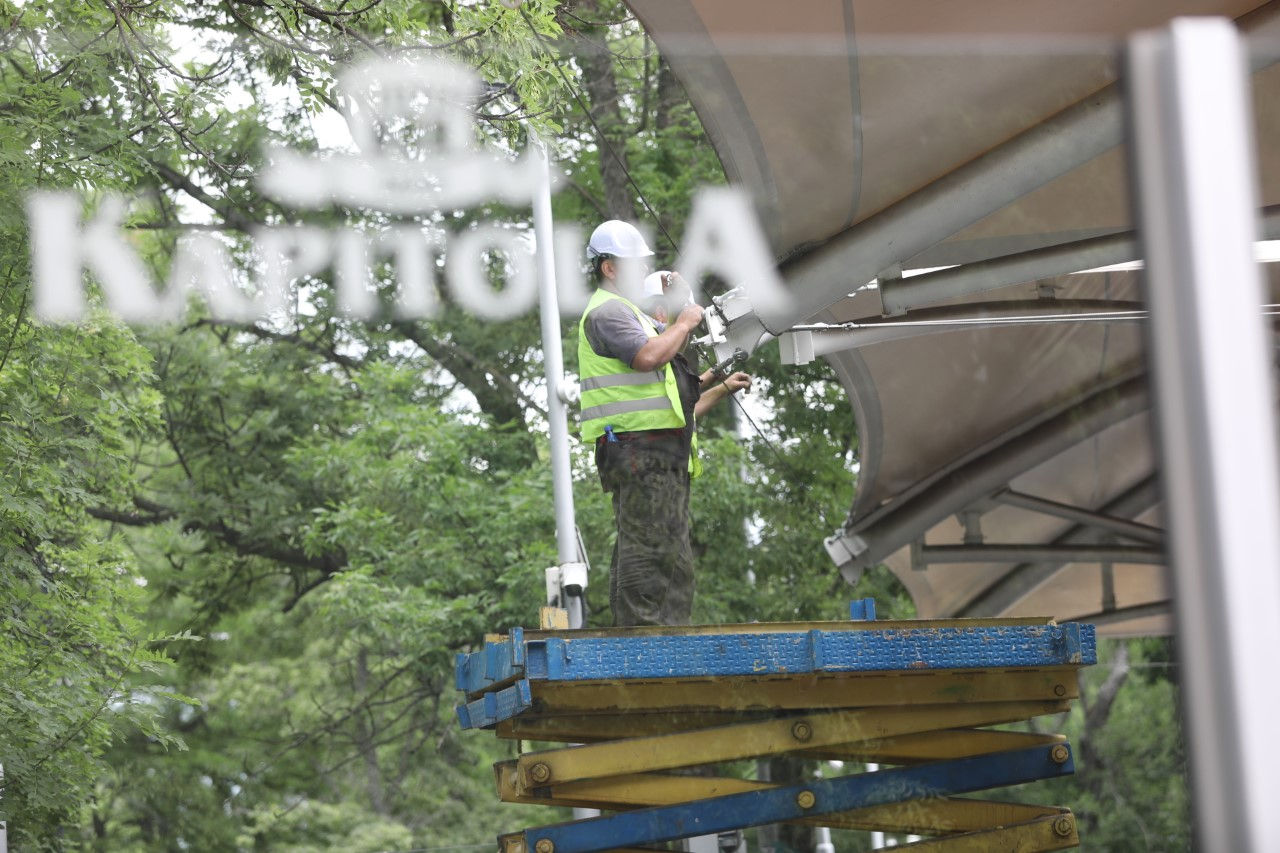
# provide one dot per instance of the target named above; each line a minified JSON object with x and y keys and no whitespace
{"x":614,"y":331}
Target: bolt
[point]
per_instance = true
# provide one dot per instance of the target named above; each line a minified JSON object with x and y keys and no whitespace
{"x":1062,"y":826}
{"x":802,"y":731}
{"x":805,"y":799}
{"x":1059,"y":690}
{"x":540,"y":773}
{"x":1060,"y":754}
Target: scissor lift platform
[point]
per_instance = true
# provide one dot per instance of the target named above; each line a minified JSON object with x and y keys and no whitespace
{"x":643,"y":704}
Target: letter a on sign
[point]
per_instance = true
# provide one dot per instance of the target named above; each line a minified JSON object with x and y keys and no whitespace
{"x":723,"y":237}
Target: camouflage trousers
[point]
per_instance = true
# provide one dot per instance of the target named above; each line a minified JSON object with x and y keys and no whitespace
{"x":651,"y":574}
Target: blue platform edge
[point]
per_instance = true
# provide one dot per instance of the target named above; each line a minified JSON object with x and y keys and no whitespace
{"x":500,"y":666}
{"x":816,"y":651}
{"x":494,"y":664}
{"x":752,"y":808}
{"x":492,"y":708}
{"x":789,"y":653}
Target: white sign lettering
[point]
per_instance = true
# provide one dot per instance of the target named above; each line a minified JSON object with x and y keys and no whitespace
{"x":413,"y":126}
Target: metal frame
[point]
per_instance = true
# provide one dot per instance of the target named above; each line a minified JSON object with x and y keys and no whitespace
{"x":898,"y":749}
{"x":1211,"y":356}
{"x":931,"y":554}
{"x":822,"y":732}
{"x":511,"y":663}
{"x":900,"y":295}
{"x":908,"y":692}
{"x":830,"y":691}
{"x":647,"y":790}
{"x":1089,"y":518}
{"x":884,"y":531}
{"x":1020,"y":580}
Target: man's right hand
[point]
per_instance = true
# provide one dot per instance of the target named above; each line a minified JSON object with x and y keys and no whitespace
{"x":660,"y":350}
{"x":690,"y":316}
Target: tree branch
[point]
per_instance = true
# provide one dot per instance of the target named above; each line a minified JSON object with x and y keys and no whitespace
{"x":133,"y":519}
{"x":294,"y":338}
{"x":153,"y":513}
{"x":466,"y":366}
{"x":302,"y":591}
{"x":329,"y":564}
{"x":230,"y":215}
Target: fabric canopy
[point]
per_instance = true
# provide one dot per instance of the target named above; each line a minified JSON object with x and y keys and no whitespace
{"x":878,"y":137}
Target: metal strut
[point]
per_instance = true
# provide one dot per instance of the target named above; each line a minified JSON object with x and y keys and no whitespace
{"x":792,"y":802}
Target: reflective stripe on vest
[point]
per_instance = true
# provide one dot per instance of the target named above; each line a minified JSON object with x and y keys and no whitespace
{"x":621,"y":407}
{"x":614,"y":379}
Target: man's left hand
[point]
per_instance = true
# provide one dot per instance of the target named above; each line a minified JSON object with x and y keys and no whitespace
{"x":736,"y":382}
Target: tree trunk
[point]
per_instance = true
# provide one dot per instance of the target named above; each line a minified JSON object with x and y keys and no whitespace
{"x":670,"y":94}
{"x":1091,"y":770}
{"x":785,"y":837}
{"x":365,"y":741}
{"x":609,"y":127}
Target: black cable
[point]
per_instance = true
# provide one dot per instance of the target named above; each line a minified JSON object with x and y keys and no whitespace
{"x":604,"y":143}
{"x":777,"y":454}
{"x":787,"y":467}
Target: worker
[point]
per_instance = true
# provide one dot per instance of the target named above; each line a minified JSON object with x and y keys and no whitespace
{"x":640,"y":400}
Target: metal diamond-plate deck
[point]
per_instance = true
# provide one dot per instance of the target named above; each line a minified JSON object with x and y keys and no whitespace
{"x":810,"y":652}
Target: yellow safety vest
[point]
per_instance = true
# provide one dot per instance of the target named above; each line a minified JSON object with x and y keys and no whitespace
{"x":613,"y":394}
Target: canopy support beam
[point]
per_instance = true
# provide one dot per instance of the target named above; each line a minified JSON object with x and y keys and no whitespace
{"x":1002,"y":553}
{"x":1117,"y":615}
{"x":980,"y":187}
{"x":855,"y":549}
{"x":1021,"y":580}
{"x":900,"y":295}
{"x":1128,"y":529}
{"x":805,"y":342}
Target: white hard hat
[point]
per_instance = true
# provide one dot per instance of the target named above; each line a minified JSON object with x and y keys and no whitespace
{"x":653,"y":284}
{"x":617,"y":239}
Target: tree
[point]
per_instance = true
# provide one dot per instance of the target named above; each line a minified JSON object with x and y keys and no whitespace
{"x":333,"y":507}
{"x":76,"y":405}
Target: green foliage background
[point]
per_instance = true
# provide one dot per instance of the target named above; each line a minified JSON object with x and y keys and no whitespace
{"x":236,"y":560}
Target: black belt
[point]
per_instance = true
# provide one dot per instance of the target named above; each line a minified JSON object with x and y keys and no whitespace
{"x":643,"y":435}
